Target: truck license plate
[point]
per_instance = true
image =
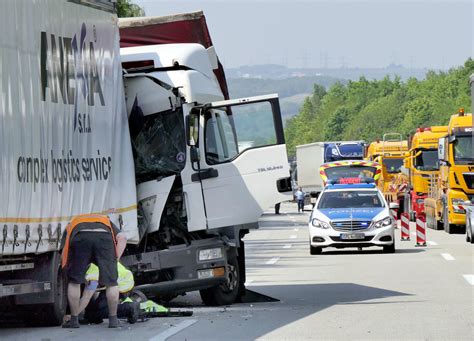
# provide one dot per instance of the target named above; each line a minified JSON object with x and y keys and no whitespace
{"x":352,"y":236}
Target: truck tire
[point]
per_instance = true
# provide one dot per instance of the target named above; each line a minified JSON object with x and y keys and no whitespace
{"x":51,"y":314}
{"x":226,"y":293}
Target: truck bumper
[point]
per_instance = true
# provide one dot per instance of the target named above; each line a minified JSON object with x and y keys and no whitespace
{"x":24,"y":288}
{"x":184,"y":270}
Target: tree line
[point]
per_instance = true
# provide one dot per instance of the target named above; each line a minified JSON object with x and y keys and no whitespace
{"x":366,"y":109}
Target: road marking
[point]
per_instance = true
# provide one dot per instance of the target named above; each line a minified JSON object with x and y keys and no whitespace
{"x":173,"y":330}
{"x":293,"y":236}
{"x":430,"y":242}
{"x":273,"y":260}
{"x":469,"y":279}
{"x":248,"y":282}
{"x":296,"y":230}
{"x":287,"y":246}
{"x":447,"y":256}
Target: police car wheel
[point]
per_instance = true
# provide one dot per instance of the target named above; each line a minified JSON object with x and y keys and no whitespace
{"x":314,"y":250}
{"x":389,"y":248}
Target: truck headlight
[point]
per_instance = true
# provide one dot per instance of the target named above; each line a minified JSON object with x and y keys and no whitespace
{"x":210,"y":254}
{"x":384,"y":222}
{"x":458,"y":205}
{"x":321,"y":224}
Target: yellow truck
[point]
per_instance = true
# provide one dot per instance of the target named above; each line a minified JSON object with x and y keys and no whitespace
{"x":390,"y":153}
{"x":452,"y":189}
{"x":420,"y":165}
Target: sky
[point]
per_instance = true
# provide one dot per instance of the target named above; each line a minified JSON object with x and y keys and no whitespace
{"x":435,"y":34}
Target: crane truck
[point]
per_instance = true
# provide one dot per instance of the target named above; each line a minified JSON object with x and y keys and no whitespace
{"x":452,"y":189}
{"x":145,"y":134}
{"x":419,"y":166}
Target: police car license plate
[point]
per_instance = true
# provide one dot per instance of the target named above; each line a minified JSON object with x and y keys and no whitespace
{"x":352,"y":236}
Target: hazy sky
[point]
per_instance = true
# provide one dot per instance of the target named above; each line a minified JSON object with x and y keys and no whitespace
{"x":332,"y":33}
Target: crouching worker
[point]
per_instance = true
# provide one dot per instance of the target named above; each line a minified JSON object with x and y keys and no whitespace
{"x":95,"y":302}
{"x":92,"y":239}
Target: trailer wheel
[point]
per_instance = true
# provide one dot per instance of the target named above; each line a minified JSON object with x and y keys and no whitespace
{"x":51,"y":314}
{"x":227,"y":292}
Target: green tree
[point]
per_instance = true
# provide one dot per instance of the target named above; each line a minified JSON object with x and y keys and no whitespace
{"x":125,"y":8}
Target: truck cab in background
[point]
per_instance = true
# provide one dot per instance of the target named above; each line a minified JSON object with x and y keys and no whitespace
{"x":453,"y":188}
{"x":310,"y":157}
{"x":389,"y":153}
{"x":420,"y":166}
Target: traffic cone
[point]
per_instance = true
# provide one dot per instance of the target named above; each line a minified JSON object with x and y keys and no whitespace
{"x":421,"y":230}
{"x":405,"y":225}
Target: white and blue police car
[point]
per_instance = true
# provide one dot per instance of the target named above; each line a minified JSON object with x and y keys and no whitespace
{"x":351,"y":215}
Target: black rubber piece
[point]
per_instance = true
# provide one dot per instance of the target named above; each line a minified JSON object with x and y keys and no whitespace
{"x":254,"y":297}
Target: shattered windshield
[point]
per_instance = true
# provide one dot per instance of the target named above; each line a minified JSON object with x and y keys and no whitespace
{"x":159,"y":146}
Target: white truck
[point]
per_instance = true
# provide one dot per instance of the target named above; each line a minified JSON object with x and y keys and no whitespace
{"x":154,"y":144}
{"x":309,"y":157}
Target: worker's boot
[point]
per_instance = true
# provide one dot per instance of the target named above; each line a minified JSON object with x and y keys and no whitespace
{"x":114,"y":322}
{"x":134,"y":312}
{"x":72,"y":323}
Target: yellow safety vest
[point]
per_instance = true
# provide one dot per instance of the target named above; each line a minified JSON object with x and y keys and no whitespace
{"x":125,"y":277}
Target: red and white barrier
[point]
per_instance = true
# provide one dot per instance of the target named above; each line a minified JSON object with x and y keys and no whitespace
{"x":405,"y":225}
{"x":394,"y":213}
{"x":421,"y":230}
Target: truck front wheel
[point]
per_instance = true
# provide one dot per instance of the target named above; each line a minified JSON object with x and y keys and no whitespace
{"x":227,"y":292}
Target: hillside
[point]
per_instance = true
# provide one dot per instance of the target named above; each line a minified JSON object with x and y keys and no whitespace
{"x":366,"y":109}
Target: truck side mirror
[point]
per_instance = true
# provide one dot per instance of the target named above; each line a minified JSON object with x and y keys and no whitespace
{"x":192,"y":129}
{"x":407,"y":161}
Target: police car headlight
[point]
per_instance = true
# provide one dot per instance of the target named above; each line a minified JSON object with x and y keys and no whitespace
{"x":210,"y":254}
{"x":318,"y":223}
{"x":384,"y":222}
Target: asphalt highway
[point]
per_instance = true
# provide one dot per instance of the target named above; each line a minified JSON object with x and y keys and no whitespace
{"x":418,"y":293}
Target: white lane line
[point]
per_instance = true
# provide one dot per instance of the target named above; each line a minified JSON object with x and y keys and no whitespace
{"x":273,"y":260}
{"x":447,"y":256}
{"x":296,"y":230}
{"x":293,"y":236}
{"x":287,"y":246}
{"x":430,"y":242}
{"x":173,"y":330}
{"x":469,"y":279}
{"x":248,"y":282}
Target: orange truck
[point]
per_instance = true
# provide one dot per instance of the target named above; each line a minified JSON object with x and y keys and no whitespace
{"x":390,"y":153}
{"x":451,"y":190}
{"x":420,"y":165}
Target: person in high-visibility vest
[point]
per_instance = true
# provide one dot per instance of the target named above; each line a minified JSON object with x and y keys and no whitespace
{"x":92,"y":239}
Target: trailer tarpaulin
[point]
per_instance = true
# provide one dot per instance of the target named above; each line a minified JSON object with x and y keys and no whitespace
{"x":174,"y":29}
{"x":64,"y":141}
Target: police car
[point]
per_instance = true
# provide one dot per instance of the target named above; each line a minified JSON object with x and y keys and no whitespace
{"x":351,"y":215}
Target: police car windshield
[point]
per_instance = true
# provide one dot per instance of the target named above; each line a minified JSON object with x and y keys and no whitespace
{"x":350,"y":199}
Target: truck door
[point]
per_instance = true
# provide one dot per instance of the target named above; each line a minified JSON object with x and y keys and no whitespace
{"x":243,"y":167}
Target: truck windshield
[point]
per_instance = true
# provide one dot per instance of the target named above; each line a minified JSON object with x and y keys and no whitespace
{"x":393,"y":165}
{"x":159,"y":144}
{"x":350,"y":199}
{"x":427,"y":160}
{"x":463,"y":152}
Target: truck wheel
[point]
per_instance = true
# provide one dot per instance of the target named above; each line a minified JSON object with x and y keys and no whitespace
{"x":314,"y":250}
{"x":51,"y":314}
{"x":227,"y":292}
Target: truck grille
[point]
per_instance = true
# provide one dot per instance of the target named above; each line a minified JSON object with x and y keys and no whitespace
{"x":469,"y":178}
{"x":351,"y":225}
